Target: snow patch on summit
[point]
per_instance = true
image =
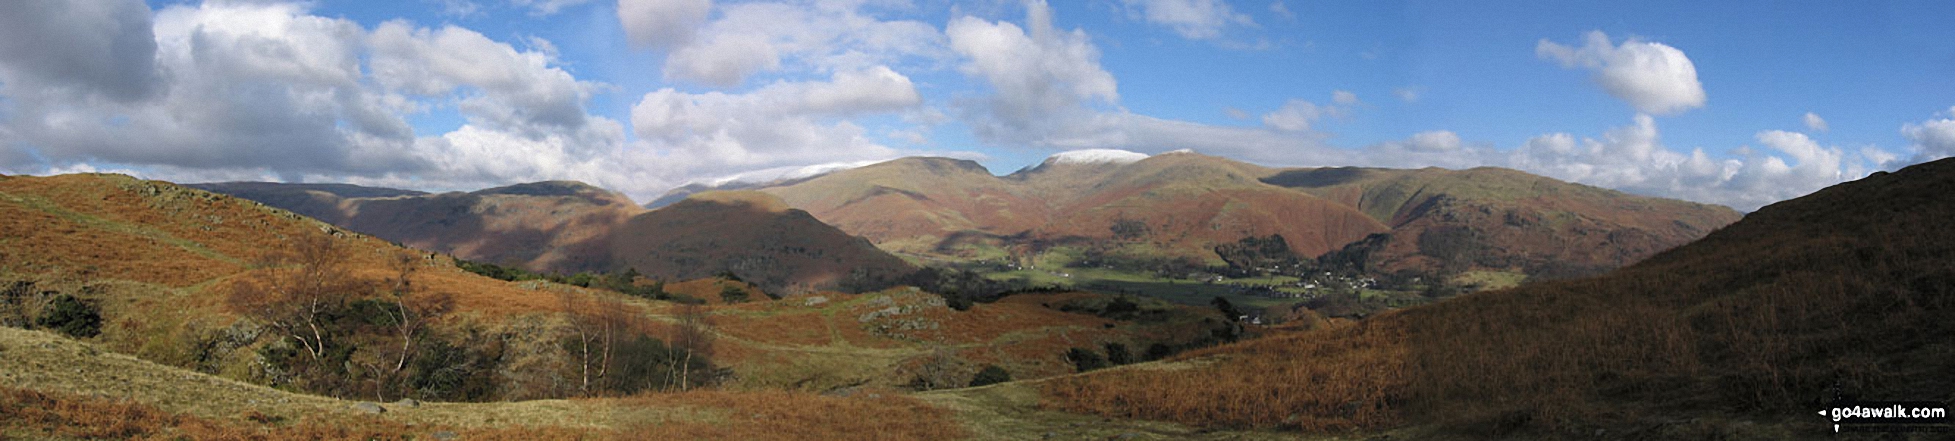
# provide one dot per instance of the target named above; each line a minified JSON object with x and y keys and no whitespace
{"x":1096,"y":156}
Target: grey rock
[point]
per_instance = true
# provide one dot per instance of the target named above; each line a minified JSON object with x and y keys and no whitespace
{"x":444,"y":435}
{"x":408,"y":403}
{"x":369,"y":407}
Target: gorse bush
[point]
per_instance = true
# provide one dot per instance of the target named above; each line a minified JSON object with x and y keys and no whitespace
{"x":1085,"y":359}
{"x":71,"y":316}
{"x":990,"y":374}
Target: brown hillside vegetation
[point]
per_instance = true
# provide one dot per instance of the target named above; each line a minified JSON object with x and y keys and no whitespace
{"x":514,"y":337}
{"x":1498,"y":218}
{"x":544,"y":226}
{"x":1847,"y":288}
{"x":784,"y":251}
{"x":52,"y":387}
{"x":1183,"y":205}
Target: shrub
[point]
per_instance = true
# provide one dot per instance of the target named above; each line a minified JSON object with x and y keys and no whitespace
{"x":991,"y":374}
{"x":733,"y":294}
{"x":1118,"y":354}
{"x":1085,"y":359}
{"x":72,"y":316}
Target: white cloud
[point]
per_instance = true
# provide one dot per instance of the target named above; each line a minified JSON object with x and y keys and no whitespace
{"x":751,"y":38}
{"x":1281,"y":10}
{"x":1653,"y":77}
{"x":1296,"y":115}
{"x":662,"y":23}
{"x":1815,"y":123}
{"x":787,"y":123}
{"x":520,"y":89}
{"x":1042,"y":79}
{"x":1933,"y":139}
{"x":268,"y":91}
{"x":1344,"y":97}
{"x":547,"y":7}
{"x":1406,"y":94}
{"x":1192,"y":19}
{"x":1434,"y":148}
{"x":1633,"y":158}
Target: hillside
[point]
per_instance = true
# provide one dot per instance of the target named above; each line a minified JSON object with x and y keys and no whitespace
{"x":1174,"y":210}
{"x":164,"y":266}
{"x":1742,"y":334}
{"x":1456,"y":220}
{"x":543,"y":226}
{"x":754,"y":236}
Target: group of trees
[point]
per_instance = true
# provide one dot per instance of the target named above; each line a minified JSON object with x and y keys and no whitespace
{"x":613,"y":349}
{"x":345,"y":336}
{"x":24,"y":304}
{"x":624,"y":282}
{"x":340,"y":335}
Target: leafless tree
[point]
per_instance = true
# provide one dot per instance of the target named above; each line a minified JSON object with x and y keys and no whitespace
{"x":297,"y":288}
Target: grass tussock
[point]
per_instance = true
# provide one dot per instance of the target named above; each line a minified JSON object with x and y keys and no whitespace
{"x":1850,"y":290}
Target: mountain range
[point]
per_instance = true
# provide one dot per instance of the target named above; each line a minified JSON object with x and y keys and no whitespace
{"x":1115,"y":205}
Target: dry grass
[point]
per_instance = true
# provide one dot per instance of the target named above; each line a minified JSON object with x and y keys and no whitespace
{"x":1335,"y":379}
{"x":1848,"y":288}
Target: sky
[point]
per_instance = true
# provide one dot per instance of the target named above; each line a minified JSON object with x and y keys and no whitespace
{"x":1737,"y":103}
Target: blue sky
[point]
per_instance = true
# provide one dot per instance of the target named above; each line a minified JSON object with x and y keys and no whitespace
{"x":1736,"y":103}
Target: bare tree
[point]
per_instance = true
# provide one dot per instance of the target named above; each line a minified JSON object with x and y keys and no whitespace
{"x":299,"y":288}
{"x":693,"y":338}
{"x":412,"y":312}
{"x":600,"y":324}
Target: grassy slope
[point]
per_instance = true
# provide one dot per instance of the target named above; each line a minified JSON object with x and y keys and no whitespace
{"x":1738,"y":335}
{"x":100,"y":393}
{"x":130,"y":240}
{"x":1525,"y":222}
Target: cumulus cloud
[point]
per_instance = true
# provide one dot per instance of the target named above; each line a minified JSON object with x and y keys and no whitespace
{"x":1652,"y":77}
{"x":1633,"y":158}
{"x":1042,"y":79}
{"x":1192,"y":19}
{"x":1932,"y":139}
{"x":268,"y":91}
{"x":751,"y":38}
{"x":1433,"y":148}
{"x":662,"y":23}
{"x":1048,"y":90}
{"x":1814,"y":122}
{"x":94,"y":49}
{"x":782,"y":124}
{"x":1296,"y":115}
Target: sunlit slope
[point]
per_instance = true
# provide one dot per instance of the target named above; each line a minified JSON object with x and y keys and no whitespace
{"x":1496,"y":218}
{"x":1741,"y":333}
{"x":54,"y":387}
{"x":557,"y":226}
{"x":1182,"y":205}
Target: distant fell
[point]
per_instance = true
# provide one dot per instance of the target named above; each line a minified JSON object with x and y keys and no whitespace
{"x":753,"y":236}
{"x":1183,"y":205}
